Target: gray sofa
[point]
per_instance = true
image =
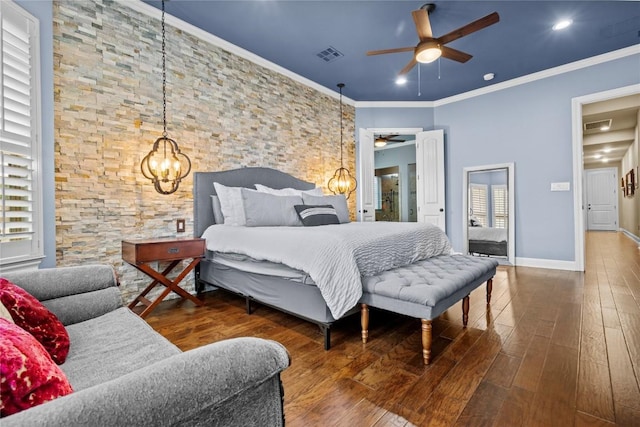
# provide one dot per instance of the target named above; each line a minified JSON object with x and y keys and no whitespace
{"x":125,"y":374}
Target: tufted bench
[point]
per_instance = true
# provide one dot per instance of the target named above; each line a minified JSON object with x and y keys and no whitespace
{"x":426,"y":289}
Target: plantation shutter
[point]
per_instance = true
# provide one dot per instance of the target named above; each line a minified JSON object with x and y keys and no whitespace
{"x":478,"y":203}
{"x":19,"y":148}
{"x":500,"y":206}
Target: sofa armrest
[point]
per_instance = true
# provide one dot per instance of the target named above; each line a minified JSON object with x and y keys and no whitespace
{"x":73,"y":294}
{"x":235,"y":382}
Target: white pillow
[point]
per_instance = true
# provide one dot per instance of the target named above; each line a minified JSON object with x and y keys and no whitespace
{"x":231,"y":204}
{"x":288,"y":191}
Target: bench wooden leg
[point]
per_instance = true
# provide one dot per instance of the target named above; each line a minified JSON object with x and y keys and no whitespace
{"x":465,"y":311}
{"x":489,"y":289}
{"x":364,"y":322}
{"x":426,"y":340}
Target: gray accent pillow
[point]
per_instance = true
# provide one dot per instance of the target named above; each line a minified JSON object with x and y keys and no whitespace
{"x":339,"y":202}
{"x":265,"y":210}
{"x":217,"y":210}
{"x":317,"y":215}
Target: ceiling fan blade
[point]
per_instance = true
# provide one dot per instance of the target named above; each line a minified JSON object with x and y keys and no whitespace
{"x":396,"y":50}
{"x":408,"y":67}
{"x":423,"y":26}
{"x":469,"y":28}
{"x":455,"y":54}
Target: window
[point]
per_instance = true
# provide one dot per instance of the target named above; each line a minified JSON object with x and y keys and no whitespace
{"x":500,"y":206}
{"x":20,"y":198}
{"x":478,"y":203}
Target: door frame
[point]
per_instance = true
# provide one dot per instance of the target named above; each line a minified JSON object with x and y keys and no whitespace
{"x":615,"y":189}
{"x":578,"y":163}
{"x":365,"y":146}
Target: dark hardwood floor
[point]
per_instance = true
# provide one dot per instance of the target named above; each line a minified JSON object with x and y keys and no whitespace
{"x":555,"y":348}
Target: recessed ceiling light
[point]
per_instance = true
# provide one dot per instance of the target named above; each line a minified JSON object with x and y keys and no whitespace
{"x":488,"y":76}
{"x":605,"y":160}
{"x":606,"y":150}
{"x":597,"y":156}
{"x":401,"y":80}
{"x":561,"y":25}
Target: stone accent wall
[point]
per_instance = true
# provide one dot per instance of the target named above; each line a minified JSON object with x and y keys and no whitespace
{"x":225,"y":112}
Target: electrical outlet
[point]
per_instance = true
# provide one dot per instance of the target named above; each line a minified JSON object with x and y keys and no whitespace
{"x":180,"y":225}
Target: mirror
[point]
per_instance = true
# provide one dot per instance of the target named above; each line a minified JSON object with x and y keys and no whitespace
{"x":488,"y":212}
{"x":395,"y":178}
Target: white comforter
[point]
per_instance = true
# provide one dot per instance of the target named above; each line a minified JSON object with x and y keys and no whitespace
{"x":334,"y":256}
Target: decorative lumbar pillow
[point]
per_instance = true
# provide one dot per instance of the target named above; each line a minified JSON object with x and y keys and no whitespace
{"x":339,"y":202}
{"x":288,"y":191}
{"x":230,"y":204}
{"x":217,"y":210}
{"x":265,"y":210}
{"x":317,"y":215}
{"x":28,"y":376}
{"x":29,"y":314}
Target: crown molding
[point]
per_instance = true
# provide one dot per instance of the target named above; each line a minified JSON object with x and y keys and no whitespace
{"x":152,"y":12}
{"x":572,"y":66}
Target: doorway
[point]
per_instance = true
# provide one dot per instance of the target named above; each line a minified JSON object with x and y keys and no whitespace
{"x":430,"y":176}
{"x":579,"y":196}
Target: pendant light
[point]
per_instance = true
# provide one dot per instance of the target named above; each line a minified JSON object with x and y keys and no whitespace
{"x":165,"y":165}
{"x":342,"y":182}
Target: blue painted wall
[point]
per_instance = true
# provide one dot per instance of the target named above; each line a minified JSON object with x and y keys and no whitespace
{"x":529,"y":125}
{"x":43,"y":10}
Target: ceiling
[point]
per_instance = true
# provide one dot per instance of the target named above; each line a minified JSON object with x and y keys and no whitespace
{"x":291,"y":34}
{"x":601,"y":147}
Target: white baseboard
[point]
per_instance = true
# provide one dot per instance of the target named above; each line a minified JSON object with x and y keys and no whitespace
{"x":630,"y":235}
{"x":546,"y":263}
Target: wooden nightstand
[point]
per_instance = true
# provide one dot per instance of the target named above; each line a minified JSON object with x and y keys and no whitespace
{"x":139,"y":253}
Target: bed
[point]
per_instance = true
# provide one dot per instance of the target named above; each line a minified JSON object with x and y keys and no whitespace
{"x":248,"y":260}
{"x":488,"y":241}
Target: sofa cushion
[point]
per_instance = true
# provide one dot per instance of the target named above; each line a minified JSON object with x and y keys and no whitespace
{"x":28,"y":375}
{"x":29,"y":313}
{"x":110,"y":346}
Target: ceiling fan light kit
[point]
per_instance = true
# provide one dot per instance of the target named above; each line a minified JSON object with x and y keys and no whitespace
{"x":427,"y":52}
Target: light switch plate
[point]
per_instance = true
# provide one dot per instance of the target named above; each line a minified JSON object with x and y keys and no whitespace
{"x":180,"y":225}
{"x":560,"y":186}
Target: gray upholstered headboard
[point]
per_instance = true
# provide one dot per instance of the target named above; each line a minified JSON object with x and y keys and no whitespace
{"x":245,"y":177}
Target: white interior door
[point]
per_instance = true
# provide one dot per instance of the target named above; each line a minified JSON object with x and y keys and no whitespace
{"x":366,"y":168}
{"x":430,"y":177}
{"x":602,"y":199}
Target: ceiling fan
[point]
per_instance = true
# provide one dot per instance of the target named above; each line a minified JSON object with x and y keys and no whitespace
{"x":382,"y":140}
{"x":430,"y":48}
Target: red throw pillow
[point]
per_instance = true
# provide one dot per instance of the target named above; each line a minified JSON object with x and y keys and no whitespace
{"x":28,"y":313}
{"x":28,"y":376}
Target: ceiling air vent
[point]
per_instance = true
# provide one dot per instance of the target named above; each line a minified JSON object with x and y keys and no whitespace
{"x":330,"y":54}
{"x":597,"y":125}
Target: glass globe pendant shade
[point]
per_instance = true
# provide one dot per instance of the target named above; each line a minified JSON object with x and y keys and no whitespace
{"x":165,"y":165}
{"x":342,"y":182}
